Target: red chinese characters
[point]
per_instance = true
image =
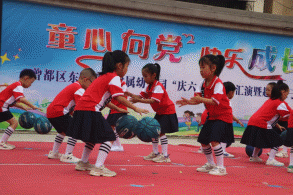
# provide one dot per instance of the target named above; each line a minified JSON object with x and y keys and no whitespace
{"x":61,"y":36}
{"x":163,"y":47}
{"x":143,"y":47}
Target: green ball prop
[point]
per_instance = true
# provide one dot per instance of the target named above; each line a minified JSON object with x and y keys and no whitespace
{"x":42,"y":125}
{"x":27,"y":120}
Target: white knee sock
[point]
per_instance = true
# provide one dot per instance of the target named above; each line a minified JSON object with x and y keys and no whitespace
{"x":164,"y":144}
{"x":86,"y":152}
{"x":70,"y":145}
{"x":58,"y":141}
{"x":219,"y":155}
{"x":7,"y":133}
{"x":209,"y":154}
{"x":103,"y":153}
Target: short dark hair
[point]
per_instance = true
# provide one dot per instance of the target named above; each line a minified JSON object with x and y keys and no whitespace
{"x":28,"y":72}
{"x":229,"y":86}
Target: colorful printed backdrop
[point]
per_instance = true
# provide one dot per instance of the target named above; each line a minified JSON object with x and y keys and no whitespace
{"x":58,"y":42}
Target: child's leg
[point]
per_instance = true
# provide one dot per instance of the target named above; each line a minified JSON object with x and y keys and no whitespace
{"x":155,"y":144}
{"x":255,"y":152}
{"x":224,"y":145}
{"x":9,"y":131}
{"x":58,"y":141}
{"x":291,"y":157}
{"x":117,"y":141}
{"x":70,"y":145}
{"x":103,"y":153}
{"x":218,"y":153}
{"x":207,"y":150}
{"x":86,"y":152}
{"x":273,"y":153}
{"x":83,"y":164}
{"x":68,"y":156}
{"x":210,"y":165}
{"x":155,"y":153}
{"x":164,"y":157}
{"x":100,"y":169}
{"x":271,"y":160}
{"x":164,"y":144}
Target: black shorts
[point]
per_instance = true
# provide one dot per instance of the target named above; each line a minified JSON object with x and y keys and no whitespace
{"x":61,"y":123}
{"x":5,"y":116}
{"x":289,"y":138}
{"x":168,"y":122}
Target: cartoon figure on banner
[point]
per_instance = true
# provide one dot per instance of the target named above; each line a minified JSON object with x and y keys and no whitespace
{"x":198,"y":120}
{"x":188,"y":116}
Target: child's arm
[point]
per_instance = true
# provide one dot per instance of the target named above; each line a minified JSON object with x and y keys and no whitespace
{"x":113,"y":106}
{"x":128,"y":104}
{"x":281,"y":128}
{"x":184,"y":102}
{"x":26,"y":102}
{"x":198,"y":99}
{"x":238,"y":121}
{"x":21,"y":106}
{"x":141,"y":100}
{"x":4,"y":85}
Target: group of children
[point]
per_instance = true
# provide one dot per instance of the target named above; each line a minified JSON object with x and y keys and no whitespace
{"x":76,"y":112}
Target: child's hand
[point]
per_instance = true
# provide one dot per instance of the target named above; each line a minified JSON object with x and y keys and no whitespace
{"x":140,"y":111}
{"x":37,"y":108}
{"x":134,"y":100}
{"x":182,"y":102}
{"x":196,"y":99}
{"x":282,"y":128}
{"x":240,"y":123}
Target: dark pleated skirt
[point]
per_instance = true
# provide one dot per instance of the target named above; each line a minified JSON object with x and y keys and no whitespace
{"x":168,"y":122}
{"x":216,"y":131}
{"x":112,"y":118}
{"x":261,"y":138}
{"x":90,"y":126}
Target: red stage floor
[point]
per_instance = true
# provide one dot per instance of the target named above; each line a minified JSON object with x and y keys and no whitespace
{"x":27,"y":170}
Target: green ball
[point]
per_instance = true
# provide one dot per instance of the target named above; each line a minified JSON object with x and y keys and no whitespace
{"x":42,"y":125}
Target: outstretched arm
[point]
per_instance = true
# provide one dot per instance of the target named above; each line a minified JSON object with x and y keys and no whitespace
{"x":128,"y":104}
{"x":238,"y":121}
{"x":26,"y":102}
{"x":113,"y":106}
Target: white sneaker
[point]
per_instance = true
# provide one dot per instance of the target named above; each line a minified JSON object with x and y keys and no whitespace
{"x":5,"y":146}
{"x":227,"y":155}
{"x":255,"y":159}
{"x":206,"y":168}
{"x":218,"y":171}
{"x":200,"y":150}
{"x":69,"y":158}
{"x":282,"y":154}
{"x":53,"y":155}
{"x":117,"y":149}
{"x":274,"y":162}
{"x":102,"y":171}
{"x":81,"y":166}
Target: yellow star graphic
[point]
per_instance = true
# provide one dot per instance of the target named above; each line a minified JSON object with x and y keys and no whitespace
{"x":4,"y":58}
{"x":16,"y":56}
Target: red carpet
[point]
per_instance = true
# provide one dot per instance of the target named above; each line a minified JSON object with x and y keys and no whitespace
{"x":27,"y":170}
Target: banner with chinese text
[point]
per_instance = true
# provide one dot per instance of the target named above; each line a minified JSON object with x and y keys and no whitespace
{"x":58,"y":43}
